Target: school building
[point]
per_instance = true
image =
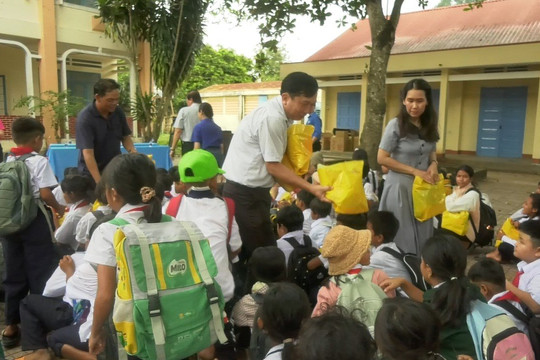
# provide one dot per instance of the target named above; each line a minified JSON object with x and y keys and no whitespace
{"x":53,"y":45}
{"x":231,"y":102}
{"x":484,"y":65}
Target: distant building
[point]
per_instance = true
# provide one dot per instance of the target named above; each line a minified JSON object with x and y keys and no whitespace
{"x":231,"y":102}
{"x":484,"y":65}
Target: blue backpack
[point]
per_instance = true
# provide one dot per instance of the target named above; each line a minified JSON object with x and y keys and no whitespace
{"x":495,"y":335}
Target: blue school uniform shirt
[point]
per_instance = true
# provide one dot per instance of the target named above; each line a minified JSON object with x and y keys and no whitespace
{"x":208,"y":134}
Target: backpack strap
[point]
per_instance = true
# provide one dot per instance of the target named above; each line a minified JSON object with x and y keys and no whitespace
{"x":508,"y":306}
{"x":211,"y":291}
{"x":398,"y":255}
{"x":154,"y":309}
{"x":292,"y":241}
{"x":307,"y":241}
{"x":174,"y":205}
{"x":475,"y":230}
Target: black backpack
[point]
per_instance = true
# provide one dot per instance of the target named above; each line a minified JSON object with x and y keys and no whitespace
{"x":412,"y":264}
{"x":297,"y":270}
{"x":488,"y":220}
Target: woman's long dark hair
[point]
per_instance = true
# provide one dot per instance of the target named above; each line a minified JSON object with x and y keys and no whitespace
{"x":428,"y":120}
{"x":127,"y":174}
{"x":447,"y":259}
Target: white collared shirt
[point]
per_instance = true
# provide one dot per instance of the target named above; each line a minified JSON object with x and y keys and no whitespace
{"x":261,"y":137}
{"x":530,"y":280}
{"x":308,"y":220}
{"x":41,"y":172}
{"x":66,"y":233}
{"x":87,"y":221}
{"x":287,"y":248}
{"x":389,"y":264}
{"x":275,"y":353}
{"x":519,"y":324}
{"x":319,"y":229}
{"x":211,"y":217}
{"x":100,"y":250}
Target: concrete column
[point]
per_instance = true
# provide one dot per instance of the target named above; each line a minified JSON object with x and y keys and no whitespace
{"x":536,"y":141}
{"x":443,"y":113}
{"x":48,"y":66}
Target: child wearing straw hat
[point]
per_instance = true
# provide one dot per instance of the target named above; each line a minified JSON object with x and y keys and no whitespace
{"x":347,"y":250}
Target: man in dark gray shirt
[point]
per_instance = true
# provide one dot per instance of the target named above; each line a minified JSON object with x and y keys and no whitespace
{"x":101,"y":127}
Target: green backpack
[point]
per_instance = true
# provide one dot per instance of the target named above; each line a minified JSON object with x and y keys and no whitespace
{"x":167,"y":304}
{"x":360,"y":296}
{"x":18,"y":208}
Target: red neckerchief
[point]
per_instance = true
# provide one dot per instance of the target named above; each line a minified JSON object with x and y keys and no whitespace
{"x":18,"y":151}
{"x":84,"y":203}
{"x":137,"y":209}
{"x":510,"y":295}
{"x":354,"y":271}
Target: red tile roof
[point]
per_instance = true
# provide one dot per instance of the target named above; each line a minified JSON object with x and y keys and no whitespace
{"x":243,"y":86}
{"x":498,"y":22}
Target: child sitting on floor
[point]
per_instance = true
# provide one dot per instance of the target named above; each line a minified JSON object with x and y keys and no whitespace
{"x":488,"y":275}
{"x":322,"y":223}
{"x":303,"y":199}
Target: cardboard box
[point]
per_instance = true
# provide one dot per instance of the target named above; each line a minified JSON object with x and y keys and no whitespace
{"x":355,"y":143}
{"x":342,"y":133}
{"x":338,"y":143}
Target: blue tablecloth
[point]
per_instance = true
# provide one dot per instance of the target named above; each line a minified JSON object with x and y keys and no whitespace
{"x":62,"y":156}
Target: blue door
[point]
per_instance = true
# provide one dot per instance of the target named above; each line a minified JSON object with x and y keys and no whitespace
{"x":501,"y":122}
{"x":348,"y":110}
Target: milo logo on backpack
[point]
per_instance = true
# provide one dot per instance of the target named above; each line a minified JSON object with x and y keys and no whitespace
{"x":167,"y":304}
{"x":18,"y":208}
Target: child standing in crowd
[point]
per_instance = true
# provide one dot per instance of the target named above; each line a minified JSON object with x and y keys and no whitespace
{"x":199,"y":170}
{"x":384,"y":226}
{"x":489,"y":276}
{"x":407,"y":330}
{"x":29,"y":254}
{"x":289,"y":222}
{"x":322,"y":223}
{"x":284,"y":308}
{"x":77,"y":191}
{"x":88,"y":222}
{"x":443,"y":265}
{"x":335,"y":335}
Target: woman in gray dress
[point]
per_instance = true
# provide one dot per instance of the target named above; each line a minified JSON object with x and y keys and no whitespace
{"x":407,"y":149}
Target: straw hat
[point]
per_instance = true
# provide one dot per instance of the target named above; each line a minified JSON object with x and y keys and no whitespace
{"x":344,"y":247}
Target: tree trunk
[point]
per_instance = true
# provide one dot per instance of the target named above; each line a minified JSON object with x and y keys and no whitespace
{"x":383,"y":33}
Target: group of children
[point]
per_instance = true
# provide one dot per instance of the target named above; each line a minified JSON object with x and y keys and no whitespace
{"x":366,"y":304}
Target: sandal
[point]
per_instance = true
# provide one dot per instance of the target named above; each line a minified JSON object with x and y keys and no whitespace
{"x":11,"y":341}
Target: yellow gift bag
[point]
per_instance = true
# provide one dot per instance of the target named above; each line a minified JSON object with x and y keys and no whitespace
{"x":510,"y":230}
{"x":428,"y":200}
{"x":457,"y":222}
{"x":299,"y":148}
{"x":348,"y":189}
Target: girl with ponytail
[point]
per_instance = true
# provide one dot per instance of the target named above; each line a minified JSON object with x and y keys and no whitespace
{"x":444,"y":261}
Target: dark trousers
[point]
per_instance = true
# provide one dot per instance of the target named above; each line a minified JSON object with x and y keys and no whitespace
{"x":41,"y":315}
{"x":317,"y":145}
{"x":30,"y":260}
{"x":252,"y":213}
{"x":187,"y":146}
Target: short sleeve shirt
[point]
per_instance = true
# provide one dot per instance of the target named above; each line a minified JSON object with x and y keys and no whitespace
{"x":261,"y":137}
{"x":316,"y":122}
{"x":530,"y":280}
{"x":186,"y":120}
{"x":102,"y":135}
{"x":41,"y":172}
{"x":208,"y":134}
